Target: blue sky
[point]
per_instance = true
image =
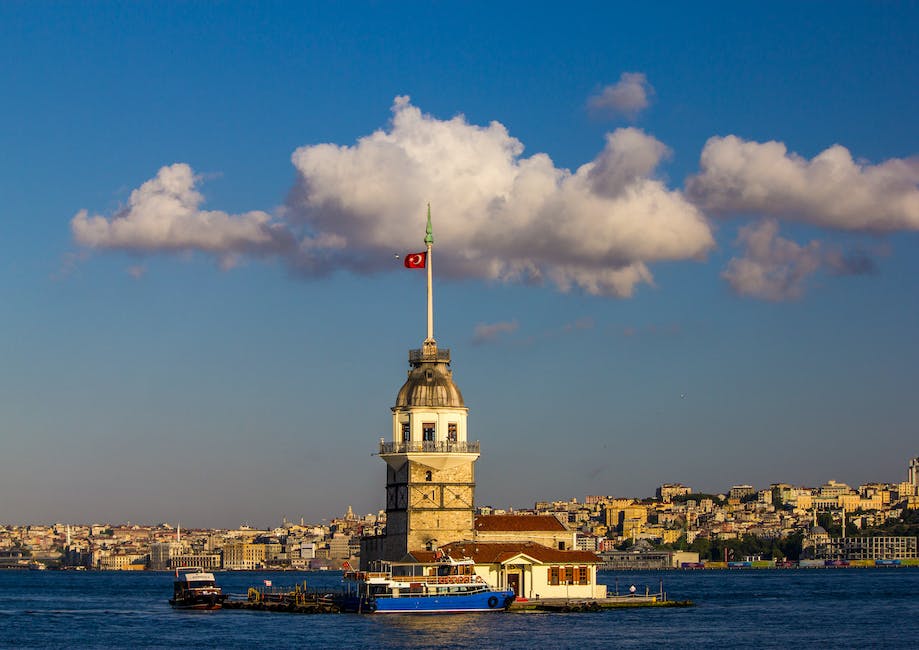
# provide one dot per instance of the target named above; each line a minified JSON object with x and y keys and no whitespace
{"x":674,"y":243}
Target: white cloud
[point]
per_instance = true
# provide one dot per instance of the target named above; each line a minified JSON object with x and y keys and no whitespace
{"x":487,"y":332}
{"x":629,"y":96}
{"x":497,"y":215}
{"x":830,"y":190}
{"x":164,"y":214}
{"x":773,"y":268}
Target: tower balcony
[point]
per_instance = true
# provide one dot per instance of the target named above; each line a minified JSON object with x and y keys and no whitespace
{"x":436,"y":356}
{"x":429,"y":447}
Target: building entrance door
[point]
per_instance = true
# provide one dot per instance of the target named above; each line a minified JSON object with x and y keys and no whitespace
{"x":513,"y":583}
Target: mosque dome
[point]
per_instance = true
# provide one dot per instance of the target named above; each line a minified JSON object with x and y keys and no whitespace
{"x":429,"y":383}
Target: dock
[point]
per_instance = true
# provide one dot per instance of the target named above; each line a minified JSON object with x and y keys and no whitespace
{"x":299,"y":600}
{"x":304,"y":600}
{"x":595,"y":604}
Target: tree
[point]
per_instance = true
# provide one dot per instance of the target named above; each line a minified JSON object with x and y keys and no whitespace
{"x":702,"y":546}
{"x":791,"y":546}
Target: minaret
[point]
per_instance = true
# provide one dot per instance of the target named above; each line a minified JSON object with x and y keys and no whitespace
{"x":430,"y":478}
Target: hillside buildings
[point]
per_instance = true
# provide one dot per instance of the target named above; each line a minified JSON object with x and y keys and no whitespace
{"x":624,"y":532}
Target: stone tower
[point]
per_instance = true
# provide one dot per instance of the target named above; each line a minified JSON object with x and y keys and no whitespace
{"x":430,"y":477}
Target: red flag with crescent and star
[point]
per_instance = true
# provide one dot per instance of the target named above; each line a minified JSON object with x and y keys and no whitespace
{"x":415,"y":260}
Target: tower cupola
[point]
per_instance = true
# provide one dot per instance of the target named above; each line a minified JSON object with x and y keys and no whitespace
{"x":430,"y":382}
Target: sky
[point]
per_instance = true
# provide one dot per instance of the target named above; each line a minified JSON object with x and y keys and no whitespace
{"x":674,"y":243}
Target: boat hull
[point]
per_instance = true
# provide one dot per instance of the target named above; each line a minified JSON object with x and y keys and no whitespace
{"x":198,"y":602}
{"x":487,"y":601}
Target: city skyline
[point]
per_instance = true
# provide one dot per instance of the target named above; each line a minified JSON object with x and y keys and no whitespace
{"x":674,"y":244}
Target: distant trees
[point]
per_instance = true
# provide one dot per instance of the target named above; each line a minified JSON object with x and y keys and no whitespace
{"x":907,"y":525}
{"x":748,"y":545}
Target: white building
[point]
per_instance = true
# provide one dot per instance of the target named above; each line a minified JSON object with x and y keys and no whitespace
{"x":530,"y":570}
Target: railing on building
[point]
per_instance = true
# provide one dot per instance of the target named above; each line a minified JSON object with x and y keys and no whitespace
{"x":440,"y":355}
{"x":429,"y":446}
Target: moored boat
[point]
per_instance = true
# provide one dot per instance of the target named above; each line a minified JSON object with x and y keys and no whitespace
{"x":196,"y":589}
{"x":446,"y":586}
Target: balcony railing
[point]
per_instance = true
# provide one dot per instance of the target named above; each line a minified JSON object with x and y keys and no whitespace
{"x":416,"y":356}
{"x":433,"y":447}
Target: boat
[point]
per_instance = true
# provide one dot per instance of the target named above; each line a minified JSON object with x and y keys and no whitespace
{"x":196,"y":589}
{"x":443,"y":586}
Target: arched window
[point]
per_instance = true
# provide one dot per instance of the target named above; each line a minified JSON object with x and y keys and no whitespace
{"x":428,"y":476}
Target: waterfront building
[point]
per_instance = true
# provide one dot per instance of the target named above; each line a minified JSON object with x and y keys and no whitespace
{"x":162,"y":553}
{"x":642,"y":556}
{"x":865,"y":548}
{"x":530,"y":570}
{"x":122,"y":562}
{"x":207,"y":561}
{"x":243,"y":555}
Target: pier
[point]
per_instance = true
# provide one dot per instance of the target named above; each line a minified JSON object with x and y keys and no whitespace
{"x":307,"y":600}
{"x":595,"y":604}
{"x":299,"y":600}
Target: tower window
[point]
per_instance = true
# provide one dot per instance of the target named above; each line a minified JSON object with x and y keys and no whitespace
{"x":406,"y":432}
{"x":427,"y":431}
{"x":427,"y":475}
{"x":451,"y":432}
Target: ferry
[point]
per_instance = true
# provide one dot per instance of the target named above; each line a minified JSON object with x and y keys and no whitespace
{"x":196,"y":589}
{"x":444,"y":586}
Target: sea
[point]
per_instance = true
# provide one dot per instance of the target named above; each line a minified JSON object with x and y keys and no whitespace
{"x":779,"y":608}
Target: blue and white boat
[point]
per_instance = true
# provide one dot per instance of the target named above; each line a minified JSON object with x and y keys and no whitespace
{"x":445,"y":586}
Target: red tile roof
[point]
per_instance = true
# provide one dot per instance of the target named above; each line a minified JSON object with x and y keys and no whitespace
{"x":498,"y":552}
{"x":519,"y":523}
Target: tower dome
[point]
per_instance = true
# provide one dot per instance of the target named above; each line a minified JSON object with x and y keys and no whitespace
{"x":429,"y":382}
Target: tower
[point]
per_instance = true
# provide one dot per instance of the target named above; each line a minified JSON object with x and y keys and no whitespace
{"x":430,"y":477}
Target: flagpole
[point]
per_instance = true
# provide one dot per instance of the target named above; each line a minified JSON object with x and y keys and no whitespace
{"x":429,"y":241}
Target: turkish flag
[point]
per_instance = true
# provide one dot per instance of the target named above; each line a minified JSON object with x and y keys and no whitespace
{"x":415,"y":260}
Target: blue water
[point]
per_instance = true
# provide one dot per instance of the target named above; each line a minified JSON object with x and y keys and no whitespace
{"x":842,"y":608}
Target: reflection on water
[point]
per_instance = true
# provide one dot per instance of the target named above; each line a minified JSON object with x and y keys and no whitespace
{"x":439,"y":630}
